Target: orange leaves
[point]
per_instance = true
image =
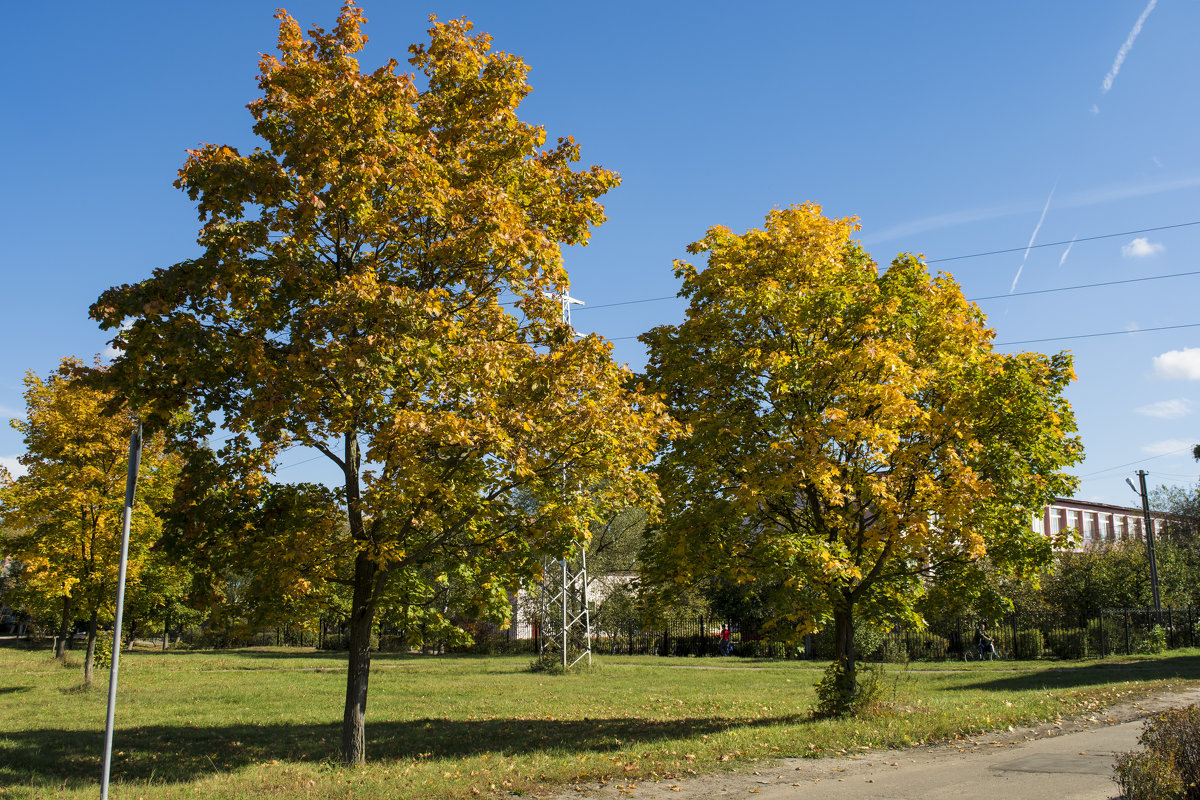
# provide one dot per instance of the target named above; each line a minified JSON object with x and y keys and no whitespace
{"x":844,"y":425}
{"x":354,"y":294}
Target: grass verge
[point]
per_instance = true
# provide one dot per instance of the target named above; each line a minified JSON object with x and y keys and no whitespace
{"x":266,"y":724}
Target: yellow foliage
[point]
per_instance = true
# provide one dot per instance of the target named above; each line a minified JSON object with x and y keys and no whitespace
{"x":850,"y":430}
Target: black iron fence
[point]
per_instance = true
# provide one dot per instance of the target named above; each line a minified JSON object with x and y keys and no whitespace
{"x":1015,"y":636}
{"x":1021,"y":636}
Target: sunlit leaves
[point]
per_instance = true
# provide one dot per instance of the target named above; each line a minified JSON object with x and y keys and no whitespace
{"x":377,"y":282}
{"x":67,"y":510}
{"x":851,"y":430}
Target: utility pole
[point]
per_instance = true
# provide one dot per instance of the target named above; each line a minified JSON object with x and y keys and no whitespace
{"x":131,"y":476}
{"x":1149,"y":525}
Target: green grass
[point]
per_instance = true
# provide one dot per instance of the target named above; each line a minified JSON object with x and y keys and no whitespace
{"x":266,"y":724}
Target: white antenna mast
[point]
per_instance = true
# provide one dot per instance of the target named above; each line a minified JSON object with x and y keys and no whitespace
{"x":566,"y":621}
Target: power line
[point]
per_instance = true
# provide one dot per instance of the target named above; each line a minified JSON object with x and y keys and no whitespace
{"x":1071,"y":288}
{"x":1094,"y":335}
{"x":1037,"y":341}
{"x":1059,"y":244}
{"x":988,"y":253}
{"x":1084,"y":286}
{"x":1132,"y":463}
{"x":631,"y":302}
{"x":298,"y":463}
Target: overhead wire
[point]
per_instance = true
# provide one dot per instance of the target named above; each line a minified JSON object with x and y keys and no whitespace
{"x":1138,"y":461}
{"x":1095,"y":335}
{"x":1059,"y":244}
{"x":978,"y":255}
{"x":1001,"y":251}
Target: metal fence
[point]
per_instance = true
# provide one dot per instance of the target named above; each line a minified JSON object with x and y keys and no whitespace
{"x":1021,"y":636}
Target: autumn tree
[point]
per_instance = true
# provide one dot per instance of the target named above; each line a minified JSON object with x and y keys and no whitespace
{"x":376,"y":282}
{"x":67,"y":510}
{"x":259,"y":552}
{"x":852,"y":431}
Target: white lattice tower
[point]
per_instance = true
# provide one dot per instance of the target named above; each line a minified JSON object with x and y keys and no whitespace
{"x":566,"y":625}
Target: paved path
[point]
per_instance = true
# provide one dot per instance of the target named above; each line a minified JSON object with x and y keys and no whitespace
{"x":1064,"y":761}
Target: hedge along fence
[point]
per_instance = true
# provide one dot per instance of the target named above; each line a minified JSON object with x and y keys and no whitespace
{"x":1017,"y":636}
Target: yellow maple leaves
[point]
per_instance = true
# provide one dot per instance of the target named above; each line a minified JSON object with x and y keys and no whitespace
{"x":835,"y":412}
{"x":65,"y":513}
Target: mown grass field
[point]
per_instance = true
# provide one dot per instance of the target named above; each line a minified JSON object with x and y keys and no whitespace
{"x":266,"y":724}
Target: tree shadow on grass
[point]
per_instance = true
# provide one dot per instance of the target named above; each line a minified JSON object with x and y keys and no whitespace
{"x":182,"y":753}
{"x":1184,"y":667}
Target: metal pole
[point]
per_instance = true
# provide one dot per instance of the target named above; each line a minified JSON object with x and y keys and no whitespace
{"x":1150,"y":545}
{"x":587,"y":609}
{"x":565,"y":621}
{"x":135,"y":458}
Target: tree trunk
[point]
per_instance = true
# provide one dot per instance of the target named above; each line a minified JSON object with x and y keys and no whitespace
{"x":362,"y":614}
{"x":89,"y":660}
{"x":843,"y":621}
{"x":64,"y":631}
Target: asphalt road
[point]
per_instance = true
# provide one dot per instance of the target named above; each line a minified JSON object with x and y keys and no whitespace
{"x":1066,"y":761}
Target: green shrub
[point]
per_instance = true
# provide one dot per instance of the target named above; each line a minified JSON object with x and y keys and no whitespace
{"x":836,"y":697}
{"x":1168,"y":766}
{"x":102,"y":657}
{"x":1146,"y":776}
{"x":1069,"y":643}
{"x":893,"y":651}
{"x":925,"y":646}
{"x":867,"y":641}
{"x":550,"y":663}
{"x":1152,"y":641}
{"x":1028,"y":643}
{"x":503,"y":646}
{"x":1106,"y":636}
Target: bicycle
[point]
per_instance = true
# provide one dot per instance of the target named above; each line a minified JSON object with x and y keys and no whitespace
{"x":978,"y":654}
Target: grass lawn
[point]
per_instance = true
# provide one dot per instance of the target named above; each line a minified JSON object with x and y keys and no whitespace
{"x":266,"y":724}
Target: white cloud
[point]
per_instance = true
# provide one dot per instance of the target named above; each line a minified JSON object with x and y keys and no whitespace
{"x":1141,"y":247}
{"x":1167,"y":409}
{"x":1125,"y":48}
{"x":1169,"y":447}
{"x":1095,"y":108}
{"x":1183,"y":364}
{"x":1132,"y":327}
{"x":14,"y":468}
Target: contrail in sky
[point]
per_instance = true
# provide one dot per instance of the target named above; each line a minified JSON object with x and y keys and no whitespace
{"x":1029,"y":247}
{"x":1125,"y":48}
{"x":1067,"y":252}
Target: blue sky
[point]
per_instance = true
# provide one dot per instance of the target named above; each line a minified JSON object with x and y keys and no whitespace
{"x":950,"y":129}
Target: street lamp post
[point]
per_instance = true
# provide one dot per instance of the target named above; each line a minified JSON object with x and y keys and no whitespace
{"x":1149,"y":526}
